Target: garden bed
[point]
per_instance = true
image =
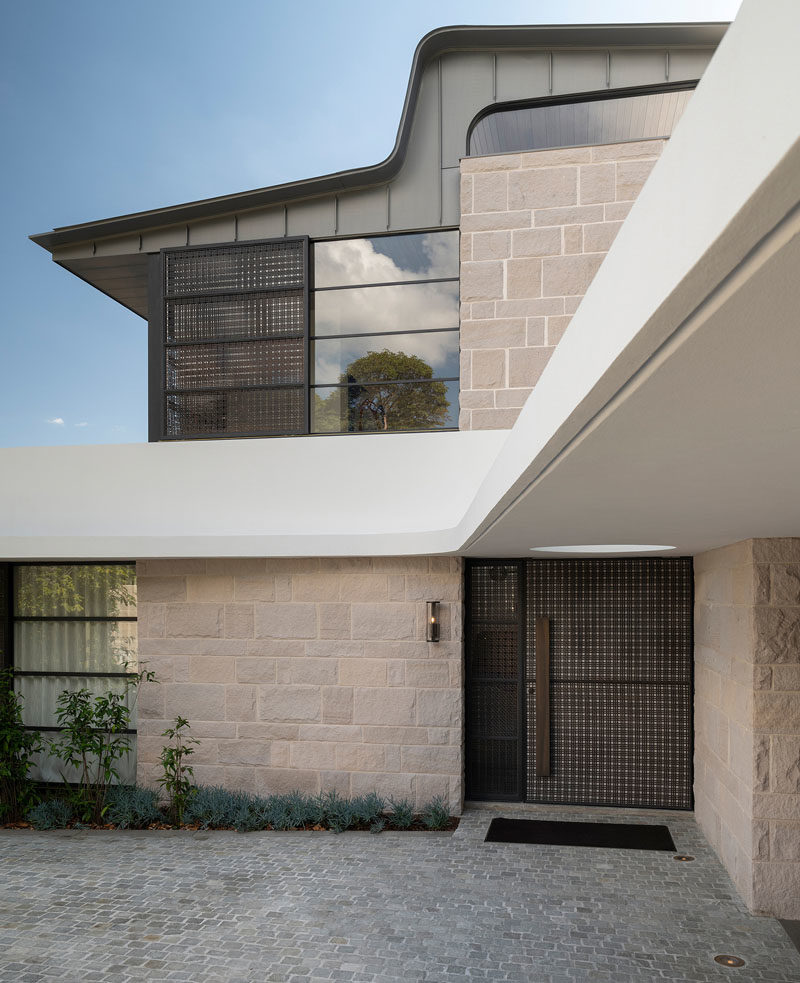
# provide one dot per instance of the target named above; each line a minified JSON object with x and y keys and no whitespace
{"x":213,"y":808}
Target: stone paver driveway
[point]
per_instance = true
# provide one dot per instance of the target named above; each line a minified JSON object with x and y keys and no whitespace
{"x":231,"y":907}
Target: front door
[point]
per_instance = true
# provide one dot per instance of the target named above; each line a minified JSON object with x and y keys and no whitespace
{"x":579,"y":681}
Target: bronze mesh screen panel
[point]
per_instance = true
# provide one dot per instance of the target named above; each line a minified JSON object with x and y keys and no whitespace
{"x":245,"y":363}
{"x":494,"y":741}
{"x":620,"y":681}
{"x":249,"y":266}
{"x":235,"y":334}
{"x":232,"y":317}
{"x":264,"y":411}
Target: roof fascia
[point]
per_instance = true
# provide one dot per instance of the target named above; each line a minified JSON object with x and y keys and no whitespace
{"x":431,"y":46}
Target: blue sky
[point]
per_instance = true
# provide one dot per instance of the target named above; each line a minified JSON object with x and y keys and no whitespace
{"x":109,"y":107}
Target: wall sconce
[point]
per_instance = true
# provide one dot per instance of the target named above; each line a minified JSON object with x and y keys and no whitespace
{"x":432,"y":633}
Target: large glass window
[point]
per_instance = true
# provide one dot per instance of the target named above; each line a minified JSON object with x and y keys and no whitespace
{"x":73,"y":627}
{"x":260,"y":338}
{"x":384,"y":333}
{"x":580,"y":121}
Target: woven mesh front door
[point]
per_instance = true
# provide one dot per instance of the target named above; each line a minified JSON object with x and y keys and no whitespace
{"x":618,"y":674}
{"x":620,"y":640}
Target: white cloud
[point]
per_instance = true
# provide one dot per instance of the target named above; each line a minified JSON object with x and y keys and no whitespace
{"x":57,"y":421}
{"x":357,"y":261}
{"x":376,"y":310}
{"x":83,"y":423}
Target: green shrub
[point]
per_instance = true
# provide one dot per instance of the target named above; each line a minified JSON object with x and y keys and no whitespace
{"x":17,"y":747}
{"x":253,"y":816}
{"x":339,"y":812}
{"x":436,"y":814}
{"x":213,"y":807}
{"x":50,"y":814}
{"x":368,"y":809}
{"x":402,"y":814}
{"x":132,"y":807}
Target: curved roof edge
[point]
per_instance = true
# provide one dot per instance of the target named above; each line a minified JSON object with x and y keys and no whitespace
{"x":435,"y":43}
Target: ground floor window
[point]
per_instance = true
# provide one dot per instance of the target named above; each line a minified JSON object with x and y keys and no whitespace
{"x":68,"y":626}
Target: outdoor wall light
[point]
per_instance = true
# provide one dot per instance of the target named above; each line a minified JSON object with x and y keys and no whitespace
{"x":432,"y":633}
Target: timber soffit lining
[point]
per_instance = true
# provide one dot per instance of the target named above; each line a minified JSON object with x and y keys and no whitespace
{"x":433,"y":45}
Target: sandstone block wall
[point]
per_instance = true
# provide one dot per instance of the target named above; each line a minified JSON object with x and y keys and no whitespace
{"x":535,"y":228}
{"x":747,"y":717}
{"x":310,"y":674}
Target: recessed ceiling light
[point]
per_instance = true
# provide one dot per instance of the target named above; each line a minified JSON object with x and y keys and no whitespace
{"x":602,"y":548}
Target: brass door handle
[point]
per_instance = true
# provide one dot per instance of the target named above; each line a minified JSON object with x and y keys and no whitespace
{"x":542,"y":651}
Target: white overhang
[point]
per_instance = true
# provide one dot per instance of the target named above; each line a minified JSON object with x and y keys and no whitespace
{"x":670,"y":412}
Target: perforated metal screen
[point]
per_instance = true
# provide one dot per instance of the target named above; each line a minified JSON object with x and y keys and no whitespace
{"x":494,"y":700}
{"x":235,"y":335}
{"x":620,"y":681}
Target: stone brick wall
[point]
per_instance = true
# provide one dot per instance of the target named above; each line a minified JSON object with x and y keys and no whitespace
{"x":724,"y":740}
{"x":747,"y":717}
{"x":308,"y":674}
{"x":535,"y":228}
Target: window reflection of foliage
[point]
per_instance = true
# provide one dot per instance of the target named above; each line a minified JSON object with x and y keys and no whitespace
{"x":49,"y":591}
{"x":84,"y":591}
{"x":376,"y":399}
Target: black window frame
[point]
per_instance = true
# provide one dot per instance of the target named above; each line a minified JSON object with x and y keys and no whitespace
{"x":313,"y":337}
{"x":158,"y":343}
{"x":10,"y":619}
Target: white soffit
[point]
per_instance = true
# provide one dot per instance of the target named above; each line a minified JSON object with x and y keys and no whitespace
{"x":333,"y":495}
{"x":669,"y":411}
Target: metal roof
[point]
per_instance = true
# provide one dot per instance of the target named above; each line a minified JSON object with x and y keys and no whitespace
{"x":437,"y":42}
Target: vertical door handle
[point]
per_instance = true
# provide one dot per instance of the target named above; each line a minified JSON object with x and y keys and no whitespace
{"x":542,"y":642}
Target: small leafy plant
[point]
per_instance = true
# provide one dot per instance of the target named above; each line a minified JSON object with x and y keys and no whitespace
{"x":17,"y":747}
{"x":177,"y":780}
{"x":93,"y":739}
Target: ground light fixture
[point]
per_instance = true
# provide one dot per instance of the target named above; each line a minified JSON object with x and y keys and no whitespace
{"x":604,"y":548}
{"x":432,"y":630}
{"x":729,"y":961}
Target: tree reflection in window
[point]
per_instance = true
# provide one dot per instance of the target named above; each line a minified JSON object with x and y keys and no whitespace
{"x":384,"y":390}
{"x":366,"y":290}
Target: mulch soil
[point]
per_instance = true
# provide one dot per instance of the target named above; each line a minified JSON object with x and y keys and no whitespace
{"x":417,"y":827}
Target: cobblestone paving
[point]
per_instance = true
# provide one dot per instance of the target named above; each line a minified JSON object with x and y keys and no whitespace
{"x":291,"y":907}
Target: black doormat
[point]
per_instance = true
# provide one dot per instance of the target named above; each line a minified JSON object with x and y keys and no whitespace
{"x":623,"y":836}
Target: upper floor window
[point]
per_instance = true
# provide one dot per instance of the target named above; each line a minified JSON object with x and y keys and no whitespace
{"x":249,"y":347}
{"x":596,"y":118}
{"x":385,"y":334}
